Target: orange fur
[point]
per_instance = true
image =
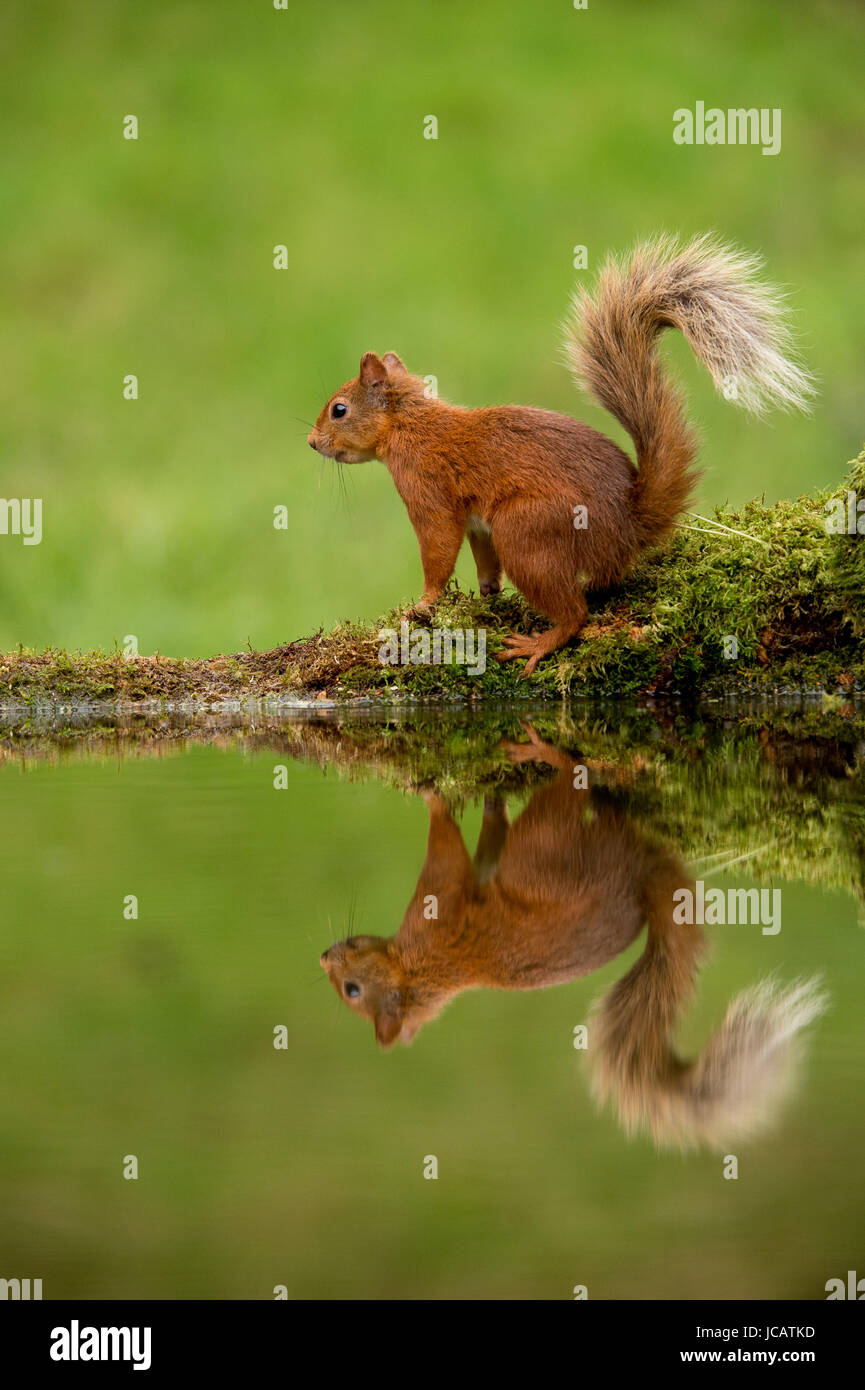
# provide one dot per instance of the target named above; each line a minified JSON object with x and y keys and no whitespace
{"x":512,"y":476}
{"x":553,"y":897}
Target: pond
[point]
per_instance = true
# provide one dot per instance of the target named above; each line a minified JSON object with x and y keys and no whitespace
{"x":531,"y":1004}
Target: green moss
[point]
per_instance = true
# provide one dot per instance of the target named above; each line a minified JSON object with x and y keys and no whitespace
{"x":780,"y":606}
{"x":755,"y":599}
{"x":779,"y":791}
{"x":786,"y":597}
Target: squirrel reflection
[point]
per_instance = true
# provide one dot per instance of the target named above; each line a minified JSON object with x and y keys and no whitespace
{"x":552,"y":897}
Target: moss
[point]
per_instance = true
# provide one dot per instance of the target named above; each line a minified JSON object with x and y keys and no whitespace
{"x":755,"y":599}
{"x":781,"y":793}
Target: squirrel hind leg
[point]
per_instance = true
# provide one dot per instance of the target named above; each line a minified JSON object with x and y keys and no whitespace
{"x":540,"y":555}
{"x":540,"y":644}
{"x":489,"y":566}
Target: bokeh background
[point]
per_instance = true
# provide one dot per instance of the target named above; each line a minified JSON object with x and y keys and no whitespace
{"x":304,"y":127}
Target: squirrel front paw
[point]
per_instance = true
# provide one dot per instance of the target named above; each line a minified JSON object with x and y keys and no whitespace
{"x":422,"y":609}
{"x":536,"y":750}
{"x":429,"y":793}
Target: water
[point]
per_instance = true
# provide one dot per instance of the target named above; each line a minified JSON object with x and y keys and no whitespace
{"x":247,"y":850}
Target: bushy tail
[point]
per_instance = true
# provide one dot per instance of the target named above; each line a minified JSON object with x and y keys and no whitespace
{"x":735,"y":324}
{"x":737,"y":1084}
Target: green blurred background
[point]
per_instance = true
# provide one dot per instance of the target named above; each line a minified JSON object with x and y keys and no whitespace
{"x":260,"y":127}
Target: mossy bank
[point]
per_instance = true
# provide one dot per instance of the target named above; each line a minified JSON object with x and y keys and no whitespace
{"x":752,"y":599}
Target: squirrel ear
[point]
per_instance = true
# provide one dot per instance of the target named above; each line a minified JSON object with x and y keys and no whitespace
{"x":409,"y":1028}
{"x":393,"y":362}
{"x":373,"y":372}
{"x":388,"y":1023}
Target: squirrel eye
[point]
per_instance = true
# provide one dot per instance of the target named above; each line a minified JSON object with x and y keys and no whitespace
{"x":352,"y":990}
{"x":338,"y":410}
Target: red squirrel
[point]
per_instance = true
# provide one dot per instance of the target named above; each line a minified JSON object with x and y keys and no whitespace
{"x":557,"y":506}
{"x":551,"y":898}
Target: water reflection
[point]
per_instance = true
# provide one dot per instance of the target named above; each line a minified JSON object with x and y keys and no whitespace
{"x":551,"y":897}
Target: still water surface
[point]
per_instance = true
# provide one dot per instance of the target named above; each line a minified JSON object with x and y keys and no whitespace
{"x":574,"y":1085}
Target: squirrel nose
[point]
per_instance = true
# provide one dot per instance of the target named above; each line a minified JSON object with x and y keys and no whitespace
{"x":311,"y":442}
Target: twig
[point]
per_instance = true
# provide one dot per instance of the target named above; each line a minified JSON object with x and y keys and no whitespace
{"x":719,"y":526}
{"x":722,"y":868}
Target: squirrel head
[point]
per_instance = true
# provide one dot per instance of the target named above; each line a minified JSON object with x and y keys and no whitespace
{"x":367,"y":976}
{"x":354,"y":425}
